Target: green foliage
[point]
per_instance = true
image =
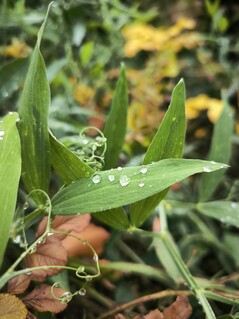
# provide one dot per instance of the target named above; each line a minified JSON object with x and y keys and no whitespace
{"x":81,"y":70}
{"x":33,"y":125}
{"x":115,"y":127}
{"x":167,"y":143}
{"x":118,"y":187}
{"x":10,"y":170}
{"x":220,"y":151}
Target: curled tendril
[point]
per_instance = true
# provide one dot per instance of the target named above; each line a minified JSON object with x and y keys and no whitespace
{"x":18,"y":230}
{"x":92,"y":150}
{"x":67,"y":295}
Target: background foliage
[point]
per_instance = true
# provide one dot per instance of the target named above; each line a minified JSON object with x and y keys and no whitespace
{"x":83,"y":46}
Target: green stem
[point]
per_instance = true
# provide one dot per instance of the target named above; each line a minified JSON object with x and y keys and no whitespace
{"x":199,"y":292}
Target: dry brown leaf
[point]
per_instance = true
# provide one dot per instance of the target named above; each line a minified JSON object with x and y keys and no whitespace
{"x":18,"y":284}
{"x":65,"y":223}
{"x":95,"y":235}
{"x":49,"y":253}
{"x":155,"y":314}
{"x":12,"y":307}
{"x":41,"y":299}
{"x":180,"y":309}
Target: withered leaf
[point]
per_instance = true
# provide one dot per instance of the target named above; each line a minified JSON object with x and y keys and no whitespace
{"x":65,"y":223}
{"x":41,"y":299}
{"x":49,"y":253}
{"x":18,"y":284}
{"x":180,"y":309}
{"x":12,"y":307}
{"x":156,"y":314}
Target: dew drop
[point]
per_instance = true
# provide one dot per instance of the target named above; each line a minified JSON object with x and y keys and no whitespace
{"x":28,"y":272}
{"x":50,"y":234}
{"x":119,"y":168}
{"x":111,"y":178}
{"x":26,"y":205}
{"x":95,"y":257}
{"x":207,"y":169}
{"x":96,"y":179}
{"x":66,"y":297}
{"x":41,"y":241}
{"x":143,"y":170}
{"x":124,"y":180}
{"x":17,"y":239}
{"x":32,"y":250}
{"x":2,"y":133}
{"x":212,"y":162}
{"x":85,"y":141}
{"x":234,"y":205}
{"x":82,"y":292}
{"x":141,"y":184}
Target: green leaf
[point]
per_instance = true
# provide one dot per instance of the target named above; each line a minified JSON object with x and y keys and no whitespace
{"x":220,"y":151}
{"x":67,"y":164}
{"x":115,"y":127}
{"x":99,"y":193}
{"x":224,"y":211}
{"x":116,"y":218}
{"x":11,"y":74}
{"x":167,"y":143}
{"x":33,"y":124}
{"x":165,"y":257}
{"x":10,"y":171}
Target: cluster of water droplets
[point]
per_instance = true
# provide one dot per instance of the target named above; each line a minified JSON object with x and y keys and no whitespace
{"x":123,"y":179}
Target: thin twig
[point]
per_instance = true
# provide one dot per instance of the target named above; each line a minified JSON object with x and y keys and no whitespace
{"x":157,"y":295}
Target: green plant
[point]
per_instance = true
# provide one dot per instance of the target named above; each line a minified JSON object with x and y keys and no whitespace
{"x":122,"y":198}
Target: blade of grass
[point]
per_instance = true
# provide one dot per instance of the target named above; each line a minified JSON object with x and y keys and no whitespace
{"x":33,"y":124}
{"x":10,"y":171}
{"x":167,"y":143}
{"x":220,"y":151}
{"x":224,"y":211}
{"x":99,"y":193}
{"x":115,"y":127}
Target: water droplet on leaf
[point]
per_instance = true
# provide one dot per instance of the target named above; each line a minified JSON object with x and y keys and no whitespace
{"x":119,"y":168}
{"x":111,"y":178}
{"x":141,"y":184}
{"x":207,"y":169}
{"x":124,"y":180}
{"x":96,"y":179}
{"x":143,"y":170}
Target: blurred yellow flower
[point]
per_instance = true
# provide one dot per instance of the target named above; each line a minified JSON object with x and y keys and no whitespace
{"x":195,"y":105}
{"x":83,"y":94}
{"x":145,"y":37}
{"x":17,"y":49}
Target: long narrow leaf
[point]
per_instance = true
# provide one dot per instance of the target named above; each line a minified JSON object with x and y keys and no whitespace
{"x":33,"y":124}
{"x":220,"y":151}
{"x":115,"y":127}
{"x":167,"y":143}
{"x":10,"y":171}
{"x":118,"y":187}
{"x":224,"y":211}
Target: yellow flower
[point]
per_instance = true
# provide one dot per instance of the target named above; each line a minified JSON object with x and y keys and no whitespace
{"x":17,"y":49}
{"x":83,"y":94}
{"x":202,"y":102}
{"x":145,"y":37}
